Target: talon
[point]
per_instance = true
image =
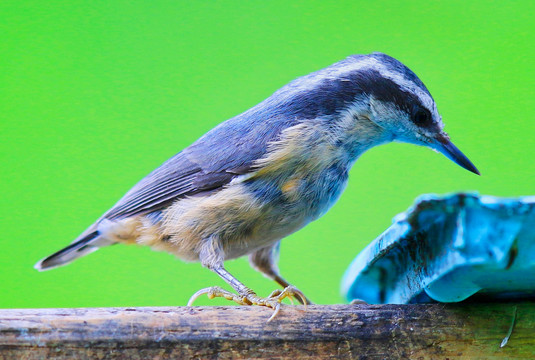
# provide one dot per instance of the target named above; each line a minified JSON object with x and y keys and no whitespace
{"x":276,"y":312}
{"x":291,"y":300}
{"x":249,"y":297}
{"x":216,"y":291}
{"x":197,"y":295}
{"x":299,"y":294}
{"x":291,"y":291}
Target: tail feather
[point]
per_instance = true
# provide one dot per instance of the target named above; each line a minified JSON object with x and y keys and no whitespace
{"x":86,"y":245}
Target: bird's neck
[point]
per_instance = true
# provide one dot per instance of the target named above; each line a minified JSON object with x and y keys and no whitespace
{"x":312,"y":146}
{"x":354,"y":133}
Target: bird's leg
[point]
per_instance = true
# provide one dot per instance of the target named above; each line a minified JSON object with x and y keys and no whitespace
{"x":246,"y":296}
{"x":211,"y":256}
{"x":265,"y":261}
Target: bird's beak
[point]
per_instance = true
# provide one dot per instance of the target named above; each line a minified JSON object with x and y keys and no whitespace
{"x":443,"y":144}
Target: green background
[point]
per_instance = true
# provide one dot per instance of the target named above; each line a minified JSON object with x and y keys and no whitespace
{"x":96,"y":94}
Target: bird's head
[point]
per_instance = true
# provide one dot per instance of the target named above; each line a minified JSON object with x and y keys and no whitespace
{"x":380,"y":91}
{"x":400,"y":103}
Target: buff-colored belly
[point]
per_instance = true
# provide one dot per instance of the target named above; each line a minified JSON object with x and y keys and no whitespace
{"x":233,"y":216}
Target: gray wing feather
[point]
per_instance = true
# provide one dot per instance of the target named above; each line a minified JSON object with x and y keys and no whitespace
{"x":223,"y":153}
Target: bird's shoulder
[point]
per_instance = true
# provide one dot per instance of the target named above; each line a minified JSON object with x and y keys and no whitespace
{"x":214,"y":160}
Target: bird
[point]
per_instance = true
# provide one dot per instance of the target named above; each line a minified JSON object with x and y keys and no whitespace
{"x":266,"y":173}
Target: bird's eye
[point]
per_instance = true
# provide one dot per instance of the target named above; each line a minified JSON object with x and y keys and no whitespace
{"x":422,"y":117}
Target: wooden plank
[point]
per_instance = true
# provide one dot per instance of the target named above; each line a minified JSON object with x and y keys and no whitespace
{"x":468,"y":331}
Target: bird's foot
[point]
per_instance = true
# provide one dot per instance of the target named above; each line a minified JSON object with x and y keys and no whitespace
{"x":250,"y":298}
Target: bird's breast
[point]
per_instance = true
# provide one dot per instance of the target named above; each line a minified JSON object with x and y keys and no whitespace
{"x":250,"y":215}
{"x":304,"y":171}
{"x":297,"y":181}
{"x":301,"y":192}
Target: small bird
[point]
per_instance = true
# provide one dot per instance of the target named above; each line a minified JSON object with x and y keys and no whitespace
{"x":266,"y":173}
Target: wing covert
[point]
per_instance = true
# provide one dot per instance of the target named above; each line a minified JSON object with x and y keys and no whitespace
{"x":225,"y":152}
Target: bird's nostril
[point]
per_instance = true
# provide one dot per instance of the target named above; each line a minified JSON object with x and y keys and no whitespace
{"x":443,"y":138}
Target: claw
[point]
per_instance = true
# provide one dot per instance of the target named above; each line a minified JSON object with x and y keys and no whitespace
{"x":197,"y":295}
{"x":295,"y":292}
{"x":278,"y":296}
{"x":291,"y":300}
{"x":276,"y":293}
{"x":292,"y":291}
{"x":250,"y":298}
{"x":275,"y":313}
{"x":216,"y":291}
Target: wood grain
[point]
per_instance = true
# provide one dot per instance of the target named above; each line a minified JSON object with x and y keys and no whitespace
{"x":468,"y":331}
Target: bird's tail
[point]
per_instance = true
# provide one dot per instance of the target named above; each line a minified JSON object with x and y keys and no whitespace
{"x":85,"y":245}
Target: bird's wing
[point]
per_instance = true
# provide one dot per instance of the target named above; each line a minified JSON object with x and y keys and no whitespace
{"x":227,"y":151}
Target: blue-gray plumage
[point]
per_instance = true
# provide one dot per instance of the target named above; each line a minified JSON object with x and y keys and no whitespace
{"x":264,"y":174}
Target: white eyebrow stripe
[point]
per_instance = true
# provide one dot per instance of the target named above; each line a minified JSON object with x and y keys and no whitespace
{"x":407,"y":85}
{"x":365,"y":63}
{"x":372,"y":64}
